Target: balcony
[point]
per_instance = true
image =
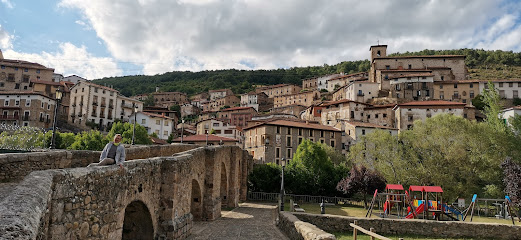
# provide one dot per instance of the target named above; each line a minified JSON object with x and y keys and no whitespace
{"x":456,"y":96}
{"x":81,"y":104}
{"x":80,"y":114}
{"x":103,"y":105}
{"x":74,"y":104}
{"x":360,"y":94}
{"x":41,"y":119}
{"x":9,"y":117}
{"x":95,"y":103}
{"x":73,"y":115}
{"x":111,"y":106}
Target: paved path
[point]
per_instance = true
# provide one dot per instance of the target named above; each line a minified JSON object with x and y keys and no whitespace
{"x":250,"y":221}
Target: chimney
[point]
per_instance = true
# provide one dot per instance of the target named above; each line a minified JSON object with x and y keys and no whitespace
{"x":157,"y":89}
{"x":1,"y":55}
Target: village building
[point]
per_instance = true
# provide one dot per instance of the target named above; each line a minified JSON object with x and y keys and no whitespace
{"x":218,"y":128}
{"x":161,"y":125}
{"x":457,"y":91}
{"x":360,"y":91}
{"x":417,"y":86}
{"x":355,"y":130}
{"x":221,"y":103}
{"x":260,"y":101}
{"x":237,"y":116}
{"x":407,"y":113}
{"x":16,"y":75}
{"x":310,"y":84}
{"x":278,"y":90}
{"x":220,"y":93}
{"x":26,"y":109}
{"x":126,"y":106}
{"x":507,"y":88}
{"x":294,"y":109}
{"x":188,"y":109}
{"x":335,"y":111}
{"x":306,"y":98}
{"x":508,"y":113}
{"x":381,"y":115}
{"x":270,"y":141}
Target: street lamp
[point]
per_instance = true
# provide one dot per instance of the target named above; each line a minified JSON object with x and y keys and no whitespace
{"x":283,"y":163}
{"x":58,"y":97}
{"x":135,"y":120}
{"x":182,"y":129}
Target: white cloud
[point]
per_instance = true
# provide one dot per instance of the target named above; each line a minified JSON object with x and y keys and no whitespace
{"x":69,"y":60}
{"x":83,"y":24}
{"x":7,"y":3}
{"x":165,"y":35}
{"x":5,"y":39}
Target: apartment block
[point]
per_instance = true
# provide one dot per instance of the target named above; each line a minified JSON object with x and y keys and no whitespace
{"x":161,"y":125}
{"x":16,"y":75}
{"x":419,"y":86}
{"x":237,"y":116}
{"x":306,"y":98}
{"x":270,"y":141}
{"x":278,"y":90}
{"x":360,"y":91}
{"x":333,"y":112}
{"x":220,"y":93}
{"x":26,"y":109}
{"x":457,"y":91}
{"x":260,"y":101}
{"x":218,"y":128}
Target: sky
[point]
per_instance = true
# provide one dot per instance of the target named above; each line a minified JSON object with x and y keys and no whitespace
{"x":104,"y":38}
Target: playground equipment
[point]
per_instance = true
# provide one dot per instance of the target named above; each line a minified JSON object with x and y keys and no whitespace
{"x":427,"y":207}
{"x":394,"y":196}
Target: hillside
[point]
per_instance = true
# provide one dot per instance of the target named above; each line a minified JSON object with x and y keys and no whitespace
{"x":482,"y":64}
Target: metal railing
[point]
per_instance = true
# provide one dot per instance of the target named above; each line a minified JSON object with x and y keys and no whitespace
{"x":273,"y":197}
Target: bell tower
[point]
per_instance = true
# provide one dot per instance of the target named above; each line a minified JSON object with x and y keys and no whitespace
{"x":378,"y":51}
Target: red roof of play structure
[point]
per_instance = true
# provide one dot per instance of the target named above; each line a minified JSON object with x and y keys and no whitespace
{"x":394,"y":187}
{"x":425,"y":189}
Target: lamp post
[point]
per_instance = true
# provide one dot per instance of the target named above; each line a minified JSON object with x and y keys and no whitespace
{"x":57,"y":97}
{"x":182,"y":129}
{"x":283,"y":163}
{"x":135,"y":120}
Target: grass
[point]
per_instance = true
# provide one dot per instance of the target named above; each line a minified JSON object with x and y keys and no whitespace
{"x":361,"y":212}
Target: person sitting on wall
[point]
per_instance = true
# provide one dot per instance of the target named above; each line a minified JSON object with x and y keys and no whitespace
{"x":113,"y":153}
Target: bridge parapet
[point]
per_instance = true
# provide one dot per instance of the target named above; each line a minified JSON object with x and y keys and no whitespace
{"x":155,"y":197}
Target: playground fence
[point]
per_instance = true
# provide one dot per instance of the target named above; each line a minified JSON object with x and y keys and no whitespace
{"x":273,"y":197}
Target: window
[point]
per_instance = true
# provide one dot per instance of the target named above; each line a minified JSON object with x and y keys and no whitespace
{"x":515,"y":94}
{"x":38,"y":71}
{"x":376,"y":115}
{"x":165,"y":133}
{"x":471,"y":94}
{"x":368,"y":116}
{"x":322,"y":141}
{"x":278,"y":130}
{"x":26,"y":70}
{"x":10,"y":77}
{"x":289,"y":131}
{"x":510,"y":84}
{"x":299,"y":140}
{"x":215,"y":124}
{"x":28,"y":102}
{"x":410,"y":66}
{"x":385,"y":115}
{"x":500,"y":84}
{"x":455,"y":85}
{"x":288,"y":154}
{"x":277,"y":152}
{"x":456,"y":94}
{"x":427,"y":93}
{"x":288,"y":141}
{"x":471,"y":85}
{"x":3,"y":66}
{"x":464,"y":115}
{"x":321,"y":134}
{"x":519,"y":84}
{"x":332,"y":143}
{"x":16,"y":68}
{"x":441,"y":95}
{"x":442,"y":78}
{"x":157,"y":132}
{"x":311,"y":132}
{"x":441,"y":86}
{"x":410,"y":118}
{"x":158,"y":122}
{"x":363,"y":131}
{"x":300,"y":132}
{"x":17,"y":86}
{"x":387,"y":67}
{"x":143,"y":121}
{"x":17,"y":103}
{"x":166,"y":123}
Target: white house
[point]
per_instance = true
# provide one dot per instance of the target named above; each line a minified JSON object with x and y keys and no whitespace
{"x":155,"y":123}
{"x":508,"y":113}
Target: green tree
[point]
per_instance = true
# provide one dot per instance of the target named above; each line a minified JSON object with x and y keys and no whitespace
{"x":311,"y":171}
{"x":493,"y":108}
{"x":177,"y":109}
{"x":478,"y":102}
{"x":91,"y":140}
{"x":265,"y":178}
{"x":24,"y":138}
{"x":126,"y":131}
{"x":149,"y":101}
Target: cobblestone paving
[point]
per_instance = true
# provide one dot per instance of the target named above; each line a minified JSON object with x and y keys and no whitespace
{"x":6,"y":189}
{"x":250,"y":221}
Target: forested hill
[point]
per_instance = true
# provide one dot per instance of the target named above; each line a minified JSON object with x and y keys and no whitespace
{"x":482,"y":64}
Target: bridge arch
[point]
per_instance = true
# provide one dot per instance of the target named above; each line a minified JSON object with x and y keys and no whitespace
{"x":137,"y":223}
{"x":196,"y":205}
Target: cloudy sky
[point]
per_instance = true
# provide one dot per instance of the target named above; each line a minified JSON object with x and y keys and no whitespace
{"x":102,"y":38}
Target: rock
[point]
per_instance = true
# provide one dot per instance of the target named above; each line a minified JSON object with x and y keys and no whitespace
{"x":84,"y":230}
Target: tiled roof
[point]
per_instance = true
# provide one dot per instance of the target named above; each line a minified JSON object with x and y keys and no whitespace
{"x":100,"y":86}
{"x":368,"y":125}
{"x":404,"y":70}
{"x":156,"y":115}
{"x":297,"y":124}
{"x":455,"y":81}
{"x":432,"y":103}
{"x":202,"y":138}
{"x":23,"y":93}
{"x":23,"y":64}
{"x":380,"y":106}
{"x":500,"y":80}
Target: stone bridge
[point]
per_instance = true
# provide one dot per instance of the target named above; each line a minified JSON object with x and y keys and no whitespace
{"x":158,"y":195}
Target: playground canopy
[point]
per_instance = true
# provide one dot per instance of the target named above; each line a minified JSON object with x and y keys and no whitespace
{"x":394,"y":187}
{"x":436,"y":189}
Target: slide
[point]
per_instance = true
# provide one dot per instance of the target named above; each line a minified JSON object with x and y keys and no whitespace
{"x":454,"y":211}
{"x":419,"y":210}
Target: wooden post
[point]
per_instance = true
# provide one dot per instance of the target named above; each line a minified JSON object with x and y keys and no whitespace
{"x":371,"y":230}
{"x":354,"y":230}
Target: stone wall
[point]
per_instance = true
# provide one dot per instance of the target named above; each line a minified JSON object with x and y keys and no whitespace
{"x":331,"y":223}
{"x":91,"y":203}
{"x":295,"y":229}
{"x":15,"y":166}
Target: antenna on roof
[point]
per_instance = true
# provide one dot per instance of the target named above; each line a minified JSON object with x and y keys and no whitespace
{"x":377,"y":41}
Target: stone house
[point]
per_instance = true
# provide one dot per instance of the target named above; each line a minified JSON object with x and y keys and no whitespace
{"x":355,"y":130}
{"x":270,"y":141}
{"x":457,"y":91}
{"x":306,"y":98}
{"x":237,"y":116}
{"x":381,"y":115}
{"x":278,"y":90}
{"x":26,"y":109}
{"x":407,"y":113}
{"x":216,"y":105}
{"x":16,"y":75}
{"x":260,"y":101}
{"x":220,"y":93}
{"x":218,"y":128}
{"x":310,"y":84}
{"x":293,"y":109}
{"x":360,"y":91}
{"x":49,"y":89}
{"x":345,"y":109}
{"x":418,"y":86}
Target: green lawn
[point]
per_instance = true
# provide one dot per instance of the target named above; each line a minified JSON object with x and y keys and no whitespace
{"x":361,"y":212}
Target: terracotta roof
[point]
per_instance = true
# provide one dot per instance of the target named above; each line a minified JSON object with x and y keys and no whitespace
{"x":23,"y":64}
{"x":432,"y":103}
{"x":202,"y":138}
{"x":423,"y":56}
{"x":500,"y":80}
{"x":274,"y":86}
{"x":341,"y":101}
{"x":368,"y":125}
{"x":159,"y":93}
{"x":100,"y":86}
{"x":404,"y":70}
{"x":155,"y":115}
{"x":24,"y":93}
{"x":298,"y":124}
{"x":455,"y":81}
{"x":381,"y":106}
{"x":236,"y":108}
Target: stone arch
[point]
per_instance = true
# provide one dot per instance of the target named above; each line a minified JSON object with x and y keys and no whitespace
{"x":224,"y":186}
{"x":137,"y":223}
{"x":196,"y":205}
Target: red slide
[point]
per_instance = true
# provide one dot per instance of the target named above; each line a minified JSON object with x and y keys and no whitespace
{"x":419,"y":210}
